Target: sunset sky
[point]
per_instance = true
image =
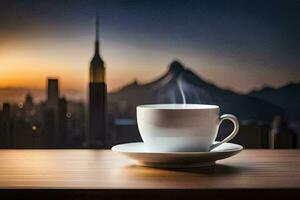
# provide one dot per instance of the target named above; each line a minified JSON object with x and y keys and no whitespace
{"x":235,"y":44}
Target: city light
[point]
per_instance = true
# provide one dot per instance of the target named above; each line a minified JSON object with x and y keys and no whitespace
{"x":69,"y":115}
{"x":20,"y":105}
{"x":34,"y":128}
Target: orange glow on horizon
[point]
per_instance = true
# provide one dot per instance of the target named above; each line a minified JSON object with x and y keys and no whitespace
{"x":27,"y":62}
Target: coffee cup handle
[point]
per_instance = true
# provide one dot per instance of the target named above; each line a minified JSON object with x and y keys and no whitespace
{"x":235,"y":122}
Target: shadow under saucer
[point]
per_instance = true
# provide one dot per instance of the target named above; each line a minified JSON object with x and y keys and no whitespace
{"x":215,"y":169}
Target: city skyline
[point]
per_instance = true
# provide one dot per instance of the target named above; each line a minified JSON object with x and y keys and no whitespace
{"x":59,"y":121}
{"x":136,"y":47}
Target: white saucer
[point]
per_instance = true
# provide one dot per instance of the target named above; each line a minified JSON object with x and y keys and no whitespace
{"x":138,"y":152}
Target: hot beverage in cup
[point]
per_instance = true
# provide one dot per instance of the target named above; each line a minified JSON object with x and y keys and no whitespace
{"x":181,"y":127}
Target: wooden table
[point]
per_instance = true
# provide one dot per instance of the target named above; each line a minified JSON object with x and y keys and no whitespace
{"x":100,"y":174}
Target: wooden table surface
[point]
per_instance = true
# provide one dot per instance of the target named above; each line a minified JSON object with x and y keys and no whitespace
{"x":102,"y":170}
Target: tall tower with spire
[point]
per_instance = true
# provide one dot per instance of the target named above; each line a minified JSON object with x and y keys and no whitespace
{"x":97,"y":98}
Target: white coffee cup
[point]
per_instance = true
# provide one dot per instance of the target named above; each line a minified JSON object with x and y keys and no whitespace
{"x":182,"y":127}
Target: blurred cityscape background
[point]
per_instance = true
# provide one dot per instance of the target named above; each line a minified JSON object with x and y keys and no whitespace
{"x":240,"y":56}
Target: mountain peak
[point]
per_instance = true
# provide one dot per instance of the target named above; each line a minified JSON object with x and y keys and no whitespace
{"x":176,"y":67}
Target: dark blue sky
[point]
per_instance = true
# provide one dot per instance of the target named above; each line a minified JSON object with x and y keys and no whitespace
{"x":260,"y":34}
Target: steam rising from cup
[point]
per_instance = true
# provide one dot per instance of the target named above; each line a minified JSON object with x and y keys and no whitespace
{"x":179,"y":83}
{"x":192,"y":93}
{"x":183,"y":91}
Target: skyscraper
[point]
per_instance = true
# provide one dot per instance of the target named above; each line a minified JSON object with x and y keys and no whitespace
{"x":52,"y":93}
{"x":6,"y":127}
{"x":62,"y":122}
{"x":97,"y":99}
{"x":51,"y":133}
